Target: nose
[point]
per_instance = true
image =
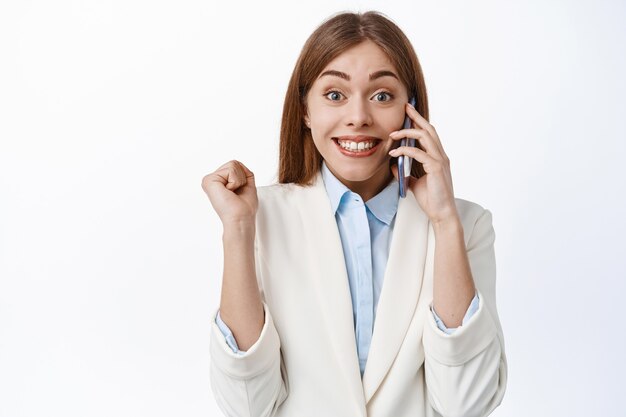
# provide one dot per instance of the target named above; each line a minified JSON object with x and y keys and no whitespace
{"x":358,"y":113}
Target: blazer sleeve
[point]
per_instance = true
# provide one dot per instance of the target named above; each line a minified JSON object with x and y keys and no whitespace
{"x":250,"y":383}
{"x":466,"y":371}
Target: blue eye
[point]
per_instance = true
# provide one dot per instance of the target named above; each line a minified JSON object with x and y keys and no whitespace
{"x":334,"y":95}
{"x":384,"y":92}
{"x":335,"y":92}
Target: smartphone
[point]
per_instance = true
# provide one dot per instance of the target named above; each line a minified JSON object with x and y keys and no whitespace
{"x":405,"y":162}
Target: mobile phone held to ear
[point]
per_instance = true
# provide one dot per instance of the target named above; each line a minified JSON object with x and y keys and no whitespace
{"x":405,"y":162}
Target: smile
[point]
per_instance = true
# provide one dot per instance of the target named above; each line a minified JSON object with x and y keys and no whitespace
{"x":359,"y":148}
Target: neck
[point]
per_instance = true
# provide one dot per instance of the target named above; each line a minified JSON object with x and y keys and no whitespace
{"x":370,"y":187}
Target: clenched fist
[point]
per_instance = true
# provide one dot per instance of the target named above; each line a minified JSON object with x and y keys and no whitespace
{"x":232,"y":192}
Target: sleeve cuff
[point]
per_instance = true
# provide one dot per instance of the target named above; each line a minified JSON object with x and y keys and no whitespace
{"x":257,"y":359}
{"x":466,"y":342}
{"x":228,"y":335}
{"x":468,"y":314}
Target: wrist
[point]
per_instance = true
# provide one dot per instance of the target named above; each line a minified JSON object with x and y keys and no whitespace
{"x":239,"y":228}
{"x":449,"y":225}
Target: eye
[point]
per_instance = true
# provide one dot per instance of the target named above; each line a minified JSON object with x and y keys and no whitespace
{"x":382,"y":93}
{"x":333,"y":94}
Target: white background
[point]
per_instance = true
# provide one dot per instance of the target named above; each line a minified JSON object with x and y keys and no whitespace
{"x":111,"y":112}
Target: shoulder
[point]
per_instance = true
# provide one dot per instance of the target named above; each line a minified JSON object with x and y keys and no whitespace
{"x":275,"y":190}
{"x":279,"y":194}
{"x":476,"y":219}
{"x":284,"y":210}
{"x":468,"y":209}
{"x":286,"y":201}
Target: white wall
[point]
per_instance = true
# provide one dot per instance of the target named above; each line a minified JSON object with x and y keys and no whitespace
{"x":111,"y":112}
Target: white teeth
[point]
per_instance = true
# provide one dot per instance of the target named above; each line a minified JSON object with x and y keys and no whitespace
{"x":356,"y":147}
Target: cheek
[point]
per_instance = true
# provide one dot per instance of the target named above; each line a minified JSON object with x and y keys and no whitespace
{"x":325,"y":119}
{"x":389,"y":120}
{"x":320,"y":136}
{"x":395,"y":120}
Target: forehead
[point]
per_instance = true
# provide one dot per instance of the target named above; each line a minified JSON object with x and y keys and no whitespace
{"x":361,"y":60}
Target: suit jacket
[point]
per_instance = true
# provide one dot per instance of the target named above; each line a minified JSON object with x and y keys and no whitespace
{"x":305,"y":361}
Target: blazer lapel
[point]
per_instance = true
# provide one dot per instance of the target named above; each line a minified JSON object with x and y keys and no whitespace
{"x":328,"y":267}
{"x":401,"y":289}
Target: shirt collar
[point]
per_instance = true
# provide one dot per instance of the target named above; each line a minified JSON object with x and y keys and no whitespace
{"x":383,"y":205}
{"x":334,"y":188}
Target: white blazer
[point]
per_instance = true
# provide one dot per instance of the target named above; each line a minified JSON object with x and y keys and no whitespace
{"x":305,"y":361}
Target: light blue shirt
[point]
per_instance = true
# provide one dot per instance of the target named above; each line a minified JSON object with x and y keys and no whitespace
{"x":365,"y":229}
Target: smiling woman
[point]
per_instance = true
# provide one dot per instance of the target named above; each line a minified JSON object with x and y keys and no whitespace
{"x":389,"y":68}
{"x":338,"y":297}
{"x":352,"y":107}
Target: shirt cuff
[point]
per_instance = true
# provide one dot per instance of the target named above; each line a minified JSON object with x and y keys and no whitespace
{"x":228,"y":335}
{"x":470,"y":312}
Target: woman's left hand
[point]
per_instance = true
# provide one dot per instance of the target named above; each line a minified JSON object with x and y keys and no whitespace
{"x":433,"y":191}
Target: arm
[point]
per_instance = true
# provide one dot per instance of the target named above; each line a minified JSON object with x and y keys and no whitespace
{"x":453,"y":285}
{"x":466,"y":371}
{"x":241,"y":305}
{"x":251,"y":382}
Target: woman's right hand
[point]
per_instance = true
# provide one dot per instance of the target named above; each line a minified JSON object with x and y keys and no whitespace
{"x":232,"y":192}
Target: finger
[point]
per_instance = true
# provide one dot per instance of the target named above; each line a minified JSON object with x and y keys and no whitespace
{"x":413,"y":152}
{"x":422,"y":136}
{"x":228,"y":177}
{"x":429,"y":164}
{"x":421,"y":122}
{"x":238,"y":177}
{"x":248,"y":174}
{"x":223,"y":177}
{"x":217,"y":178}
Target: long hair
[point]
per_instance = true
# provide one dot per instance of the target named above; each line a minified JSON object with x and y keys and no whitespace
{"x":299,"y":160}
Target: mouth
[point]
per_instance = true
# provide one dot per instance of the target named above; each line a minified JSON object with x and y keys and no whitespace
{"x":357,"y":146}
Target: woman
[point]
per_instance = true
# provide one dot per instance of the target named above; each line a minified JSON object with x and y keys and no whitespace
{"x":338,"y":297}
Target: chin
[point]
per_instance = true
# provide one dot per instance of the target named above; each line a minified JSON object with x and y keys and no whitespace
{"x":356,"y":174}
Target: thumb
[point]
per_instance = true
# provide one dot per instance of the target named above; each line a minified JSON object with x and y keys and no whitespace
{"x":249,"y":176}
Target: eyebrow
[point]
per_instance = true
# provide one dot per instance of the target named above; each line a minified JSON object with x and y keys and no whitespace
{"x":373,"y":76}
